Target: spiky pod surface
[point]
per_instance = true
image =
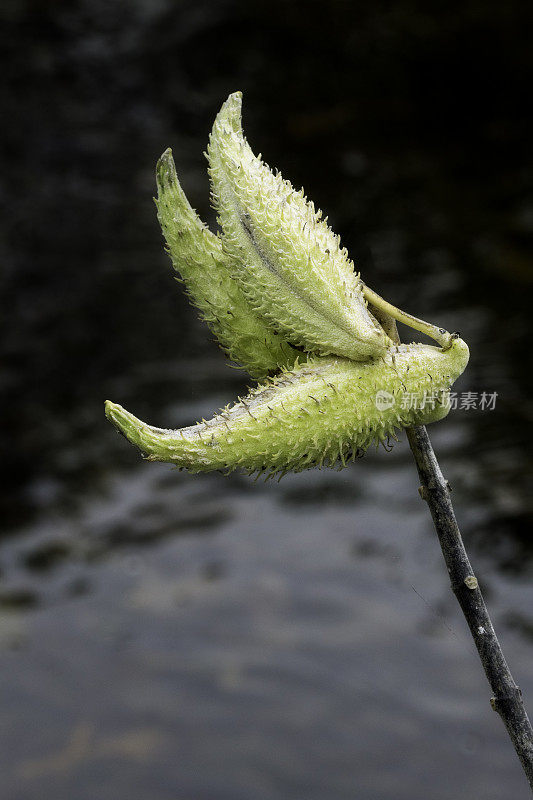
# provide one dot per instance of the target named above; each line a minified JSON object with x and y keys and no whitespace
{"x":325,"y":411}
{"x":198,"y":257}
{"x":286,"y":258}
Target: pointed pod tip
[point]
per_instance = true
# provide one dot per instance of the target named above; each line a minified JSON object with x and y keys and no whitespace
{"x":235,"y":97}
{"x":125,"y":422}
{"x":231,"y":111}
{"x":459,"y":353}
{"x":109,"y":406}
{"x":113,"y":411}
{"x":166,"y":170}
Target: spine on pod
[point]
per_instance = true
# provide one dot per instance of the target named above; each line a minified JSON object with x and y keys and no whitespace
{"x":286,"y":258}
{"x":324,"y":411}
{"x":198,"y":257}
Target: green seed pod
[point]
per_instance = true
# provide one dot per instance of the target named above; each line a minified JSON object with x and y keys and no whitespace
{"x":323,"y":411}
{"x":287,"y":260}
{"x":197,"y":256}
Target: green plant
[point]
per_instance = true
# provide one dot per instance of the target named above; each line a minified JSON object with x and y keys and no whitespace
{"x":285,"y":302}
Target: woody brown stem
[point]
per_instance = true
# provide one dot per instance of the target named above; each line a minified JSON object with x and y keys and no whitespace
{"x":507,"y":697}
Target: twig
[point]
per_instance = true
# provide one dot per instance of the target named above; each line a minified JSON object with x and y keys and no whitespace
{"x":507,"y":699}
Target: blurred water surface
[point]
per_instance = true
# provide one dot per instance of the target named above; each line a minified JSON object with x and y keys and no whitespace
{"x":171,"y":636}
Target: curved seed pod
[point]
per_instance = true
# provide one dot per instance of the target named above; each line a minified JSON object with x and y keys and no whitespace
{"x":288,"y":261}
{"x":197,"y":255}
{"x":324,"y":410}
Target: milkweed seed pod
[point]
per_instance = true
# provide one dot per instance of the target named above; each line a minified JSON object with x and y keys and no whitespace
{"x":197,"y":256}
{"x":287,"y":260}
{"x":324,"y":411}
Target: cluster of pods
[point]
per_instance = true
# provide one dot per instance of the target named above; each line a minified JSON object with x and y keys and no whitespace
{"x":285,"y":302}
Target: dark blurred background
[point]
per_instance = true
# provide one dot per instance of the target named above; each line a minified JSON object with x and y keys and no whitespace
{"x":169,"y":636}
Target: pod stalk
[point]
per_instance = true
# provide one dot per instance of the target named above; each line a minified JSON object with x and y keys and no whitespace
{"x":439,"y":335}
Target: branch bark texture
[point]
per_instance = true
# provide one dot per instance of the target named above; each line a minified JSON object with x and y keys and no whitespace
{"x":507,"y":697}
